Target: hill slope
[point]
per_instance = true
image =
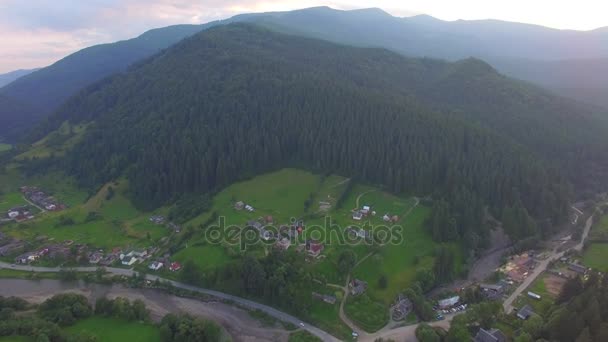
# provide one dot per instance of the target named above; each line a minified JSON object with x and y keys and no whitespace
{"x":13,"y":75}
{"x":238,"y":100}
{"x":43,"y":91}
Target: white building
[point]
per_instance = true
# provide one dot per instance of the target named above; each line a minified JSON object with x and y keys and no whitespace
{"x":128,"y":261}
{"x":155,"y":266}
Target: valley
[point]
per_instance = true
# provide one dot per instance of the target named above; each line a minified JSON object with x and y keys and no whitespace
{"x":309,"y":175}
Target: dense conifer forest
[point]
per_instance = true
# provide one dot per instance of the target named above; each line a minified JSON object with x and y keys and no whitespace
{"x":238,"y":100}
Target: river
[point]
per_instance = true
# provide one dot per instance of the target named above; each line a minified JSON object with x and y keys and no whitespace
{"x":237,"y":322}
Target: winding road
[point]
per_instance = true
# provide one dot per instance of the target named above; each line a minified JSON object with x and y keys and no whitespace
{"x":405,"y":333}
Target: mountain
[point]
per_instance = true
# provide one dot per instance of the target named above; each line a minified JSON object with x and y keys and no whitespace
{"x":510,"y":47}
{"x":427,"y":36}
{"x":545,"y":56}
{"x":582,"y":79}
{"x":10,"y":113}
{"x":13,"y":75}
{"x":237,"y":100}
{"x":44,"y":90}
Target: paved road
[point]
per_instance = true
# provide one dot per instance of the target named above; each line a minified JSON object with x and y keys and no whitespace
{"x":540,"y":268}
{"x":244,"y":302}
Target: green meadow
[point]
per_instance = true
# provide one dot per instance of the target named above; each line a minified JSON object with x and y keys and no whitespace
{"x":117,"y":222}
{"x":5,"y":147}
{"x":595,"y":256}
{"x":115,"y":330}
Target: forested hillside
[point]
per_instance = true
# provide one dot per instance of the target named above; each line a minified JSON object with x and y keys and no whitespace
{"x":530,"y":54}
{"x":10,"y":112}
{"x":238,"y":100}
{"x":42,"y":91}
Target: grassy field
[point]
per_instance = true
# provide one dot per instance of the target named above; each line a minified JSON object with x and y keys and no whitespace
{"x":399,"y":262}
{"x":118,"y":224}
{"x":204,"y":256}
{"x":371,"y":316}
{"x":595,"y":256}
{"x":540,"y":306}
{"x":115,"y":330}
{"x":302,"y":336}
{"x":15,"y":339}
{"x":55,"y":143}
{"x":5,"y":147}
{"x":279,"y":194}
{"x":11,"y":200}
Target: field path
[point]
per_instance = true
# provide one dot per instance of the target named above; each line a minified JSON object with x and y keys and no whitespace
{"x":42,"y":210}
{"x":361,"y":195}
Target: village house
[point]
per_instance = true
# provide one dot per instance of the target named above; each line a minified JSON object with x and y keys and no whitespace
{"x":365,"y":210}
{"x":525,"y":312}
{"x":266,"y":234}
{"x":448,"y":302}
{"x":174,"y":227}
{"x":357,"y":215}
{"x":578,"y":268}
{"x":249,"y":208}
{"x":325,"y":298}
{"x":175,"y":266}
{"x":402,"y":307}
{"x":314,"y":248}
{"x":283,"y":244}
{"x":155,"y":266}
{"x":157,"y":219}
{"x":357,"y":287}
{"x":27,"y":258}
{"x":492,"y":335}
{"x":492,"y":291}
{"x":239,"y":205}
{"x":95,"y":257}
{"x":127,"y":260}
{"x":108,"y":260}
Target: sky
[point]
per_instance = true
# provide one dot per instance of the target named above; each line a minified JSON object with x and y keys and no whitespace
{"x":36,"y":33}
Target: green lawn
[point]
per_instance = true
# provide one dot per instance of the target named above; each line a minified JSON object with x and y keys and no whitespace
{"x":398,"y":261}
{"x":116,"y":330}
{"x":595,"y":256}
{"x":205,"y":256}
{"x":10,"y":200}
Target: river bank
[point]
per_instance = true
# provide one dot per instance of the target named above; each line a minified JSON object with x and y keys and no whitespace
{"x":238,"y":322}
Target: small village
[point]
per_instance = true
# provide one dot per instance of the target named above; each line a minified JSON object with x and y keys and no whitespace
{"x":290,"y":236}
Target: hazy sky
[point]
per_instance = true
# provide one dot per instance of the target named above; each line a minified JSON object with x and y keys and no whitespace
{"x":36,"y":33}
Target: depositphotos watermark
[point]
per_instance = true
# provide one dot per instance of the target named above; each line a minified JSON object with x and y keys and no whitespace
{"x":256,"y":232}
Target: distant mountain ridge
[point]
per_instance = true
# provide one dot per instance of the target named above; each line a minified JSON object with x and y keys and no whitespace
{"x":10,"y":76}
{"x":510,"y":47}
